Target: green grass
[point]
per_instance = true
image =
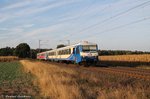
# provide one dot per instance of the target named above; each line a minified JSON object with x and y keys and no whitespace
{"x":13,"y":81}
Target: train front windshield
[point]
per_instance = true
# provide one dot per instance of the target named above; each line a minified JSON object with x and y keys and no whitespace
{"x":89,"y":48}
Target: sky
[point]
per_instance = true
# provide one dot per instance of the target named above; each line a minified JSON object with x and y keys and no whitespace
{"x":112,"y":24}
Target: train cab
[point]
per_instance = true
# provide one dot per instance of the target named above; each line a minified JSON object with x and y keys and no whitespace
{"x":86,"y":52}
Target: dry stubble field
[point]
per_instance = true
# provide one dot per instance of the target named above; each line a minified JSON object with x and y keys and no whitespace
{"x":59,"y":82}
{"x":142,"y":61}
{"x":8,"y":58}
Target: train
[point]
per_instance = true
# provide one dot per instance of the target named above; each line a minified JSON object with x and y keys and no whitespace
{"x":81,"y":53}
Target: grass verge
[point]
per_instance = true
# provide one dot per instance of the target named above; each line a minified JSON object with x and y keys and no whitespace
{"x":56,"y":82}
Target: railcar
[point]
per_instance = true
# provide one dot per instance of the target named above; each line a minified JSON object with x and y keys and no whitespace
{"x":42,"y":56}
{"x":83,"y":52}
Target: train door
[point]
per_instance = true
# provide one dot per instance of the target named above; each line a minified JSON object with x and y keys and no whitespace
{"x":77,"y":54}
{"x":46,"y":56}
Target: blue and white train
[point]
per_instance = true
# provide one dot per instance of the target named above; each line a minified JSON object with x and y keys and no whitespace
{"x":83,"y":52}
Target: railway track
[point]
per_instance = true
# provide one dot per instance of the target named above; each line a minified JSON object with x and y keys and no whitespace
{"x":134,"y":69}
{"x":140,"y":74}
{"x":123,"y":72}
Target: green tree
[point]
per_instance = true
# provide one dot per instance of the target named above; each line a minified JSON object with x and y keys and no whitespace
{"x":23,"y":50}
{"x":7,"y":51}
{"x":33,"y":53}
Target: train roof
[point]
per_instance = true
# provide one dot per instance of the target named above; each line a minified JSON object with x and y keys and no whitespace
{"x":85,"y":43}
{"x":80,"y":43}
{"x":42,"y":52}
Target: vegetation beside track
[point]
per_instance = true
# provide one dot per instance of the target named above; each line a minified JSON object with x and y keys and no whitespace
{"x":14,"y":82}
{"x":62,"y":82}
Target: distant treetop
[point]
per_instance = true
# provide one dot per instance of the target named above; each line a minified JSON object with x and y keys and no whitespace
{"x":60,"y":45}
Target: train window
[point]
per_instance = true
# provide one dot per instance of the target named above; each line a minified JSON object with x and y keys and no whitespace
{"x":69,"y":51}
{"x":77,"y":50}
{"x":59,"y":52}
{"x":89,"y":47}
{"x":52,"y":53}
{"x":64,"y":52}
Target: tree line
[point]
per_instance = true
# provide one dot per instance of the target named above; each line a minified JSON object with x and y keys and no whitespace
{"x":23,"y":50}
{"x":120,"y":52}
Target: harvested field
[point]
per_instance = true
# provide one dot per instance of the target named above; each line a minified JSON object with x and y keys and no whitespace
{"x":129,"y":58}
{"x":59,"y":81}
{"x":126,"y":60}
{"x":8,"y":58}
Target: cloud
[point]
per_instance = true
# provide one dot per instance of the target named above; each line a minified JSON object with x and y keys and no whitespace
{"x":102,"y":12}
{"x":4,"y":17}
{"x":29,"y":8}
{"x":16,"y":5}
{"x":49,"y":29}
{"x":17,"y":30}
{"x":27,"y":26}
{"x":12,"y":30}
{"x":51,"y":32}
{"x":3,"y":29}
{"x":48,"y":6}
